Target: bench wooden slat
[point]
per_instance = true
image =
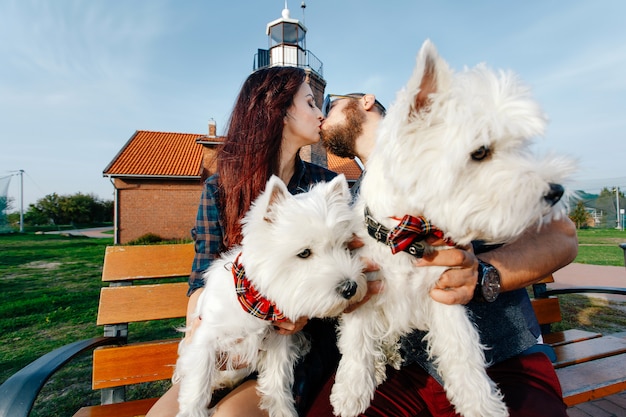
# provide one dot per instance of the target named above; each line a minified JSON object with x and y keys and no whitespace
{"x":590,"y":380}
{"x":137,"y":408}
{"x":142,"y":302}
{"x":547,"y":310}
{"x":568,"y":336}
{"x":589,"y":350}
{"x":147,"y":261}
{"x":133,"y":364}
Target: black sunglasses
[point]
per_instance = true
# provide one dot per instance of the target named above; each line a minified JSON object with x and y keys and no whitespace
{"x":330,"y":99}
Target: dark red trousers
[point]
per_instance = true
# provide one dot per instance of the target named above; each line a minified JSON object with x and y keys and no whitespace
{"x":529,"y":384}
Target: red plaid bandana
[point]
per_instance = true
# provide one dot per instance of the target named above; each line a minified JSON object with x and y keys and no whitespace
{"x":409,"y":230}
{"x":250,"y":299}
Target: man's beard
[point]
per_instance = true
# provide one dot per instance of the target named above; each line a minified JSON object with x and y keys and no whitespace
{"x":341,"y":139}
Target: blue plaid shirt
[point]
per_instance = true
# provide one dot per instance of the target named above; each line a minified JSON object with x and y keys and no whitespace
{"x":208,"y":233}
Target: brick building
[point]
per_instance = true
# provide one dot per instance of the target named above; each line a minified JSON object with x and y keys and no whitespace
{"x":157,"y":177}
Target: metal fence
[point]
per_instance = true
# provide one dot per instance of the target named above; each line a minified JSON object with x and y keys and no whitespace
{"x":305,"y":59}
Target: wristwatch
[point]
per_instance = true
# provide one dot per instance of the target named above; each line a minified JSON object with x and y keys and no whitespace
{"x":488,"y":285}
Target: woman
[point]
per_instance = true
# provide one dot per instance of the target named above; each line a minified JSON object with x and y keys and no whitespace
{"x":274,"y":116}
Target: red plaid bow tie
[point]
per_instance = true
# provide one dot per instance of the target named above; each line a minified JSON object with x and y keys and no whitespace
{"x":250,"y":299}
{"x":409,"y":230}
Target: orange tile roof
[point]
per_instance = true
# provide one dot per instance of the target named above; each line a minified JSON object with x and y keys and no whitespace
{"x":347,"y":166}
{"x":159,"y":154}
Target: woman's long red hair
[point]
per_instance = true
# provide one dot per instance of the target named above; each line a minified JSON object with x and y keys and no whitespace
{"x":251,"y":151}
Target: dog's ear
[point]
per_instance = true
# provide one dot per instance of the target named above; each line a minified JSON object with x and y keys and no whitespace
{"x":276,"y":191}
{"x":339,"y":187}
{"x":428,"y":84}
{"x":430,"y":72}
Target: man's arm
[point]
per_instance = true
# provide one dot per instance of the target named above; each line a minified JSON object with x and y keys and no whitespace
{"x":537,"y":253}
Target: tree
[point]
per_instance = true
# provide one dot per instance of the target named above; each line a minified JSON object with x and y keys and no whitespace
{"x":35,"y":216}
{"x":69,"y":209}
{"x":5,"y":205}
{"x":78,"y":208}
{"x":579,"y":215}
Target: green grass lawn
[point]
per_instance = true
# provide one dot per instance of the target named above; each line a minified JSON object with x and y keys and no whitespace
{"x":595,"y":247}
{"x":49,"y":288}
{"x":600,"y":247}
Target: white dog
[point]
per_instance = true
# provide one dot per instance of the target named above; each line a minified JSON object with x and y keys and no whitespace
{"x":293,"y":262}
{"x":454,"y":148}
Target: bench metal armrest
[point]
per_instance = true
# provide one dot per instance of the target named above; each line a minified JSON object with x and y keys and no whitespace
{"x":18,"y":393}
{"x":580,"y":290}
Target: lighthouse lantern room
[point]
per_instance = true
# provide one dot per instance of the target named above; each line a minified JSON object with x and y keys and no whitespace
{"x":287,"y":45}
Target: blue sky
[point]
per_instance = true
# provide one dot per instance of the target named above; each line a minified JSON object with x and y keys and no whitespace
{"x":77,"y":78}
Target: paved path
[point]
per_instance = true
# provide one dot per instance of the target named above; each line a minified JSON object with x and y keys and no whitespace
{"x":577,"y":275}
{"x":97,"y":232}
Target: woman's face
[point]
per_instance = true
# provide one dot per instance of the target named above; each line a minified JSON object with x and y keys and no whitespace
{"x":303,"y":122}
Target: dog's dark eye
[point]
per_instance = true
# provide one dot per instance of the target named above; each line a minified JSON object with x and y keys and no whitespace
{"x":481,"y":153}
{"x":304,"y":254}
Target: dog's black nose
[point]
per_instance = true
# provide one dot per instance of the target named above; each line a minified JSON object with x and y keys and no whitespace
{"x":347,"y":289}
{"x":555,"y":194}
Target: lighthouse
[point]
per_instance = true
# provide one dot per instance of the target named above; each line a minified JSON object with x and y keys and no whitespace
{"x":287,"y":47}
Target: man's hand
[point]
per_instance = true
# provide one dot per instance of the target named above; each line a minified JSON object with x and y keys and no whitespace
{"x":288,"y":327}
{"x":456,"y":285}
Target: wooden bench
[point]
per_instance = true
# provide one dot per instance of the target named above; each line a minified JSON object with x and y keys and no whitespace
{"x":117,"y":363}
{"x":588,"y":364}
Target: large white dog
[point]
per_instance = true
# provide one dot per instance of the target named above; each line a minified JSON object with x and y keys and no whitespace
{"x":294,"y":262}
{"x":453,"y":149}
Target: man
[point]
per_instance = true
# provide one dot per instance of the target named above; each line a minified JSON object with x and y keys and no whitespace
{"x":525,"y":376}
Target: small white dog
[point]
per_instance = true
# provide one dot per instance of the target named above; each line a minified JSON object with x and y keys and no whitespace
{"x":294,"y":262}
{"x":454,"y":148}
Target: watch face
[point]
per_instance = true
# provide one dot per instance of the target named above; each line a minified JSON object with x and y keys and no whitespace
{"x":491,"y":285}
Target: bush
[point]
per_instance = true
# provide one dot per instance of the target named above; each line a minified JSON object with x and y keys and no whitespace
{"x":147,"y":239}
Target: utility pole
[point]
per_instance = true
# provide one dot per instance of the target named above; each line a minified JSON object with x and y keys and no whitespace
{"x":21,"y":174}
{"x":21,"y":201}
{"x":618,"y":214}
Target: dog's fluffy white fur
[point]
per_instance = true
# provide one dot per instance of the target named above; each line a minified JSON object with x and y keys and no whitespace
{"x":453,"y":148}
{"x":295,"y":252}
